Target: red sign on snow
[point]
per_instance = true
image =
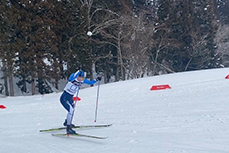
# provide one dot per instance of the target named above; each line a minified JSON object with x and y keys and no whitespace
{"x":160,"y":87}
{"x":2,"y":107}
{"x":227,"y":77}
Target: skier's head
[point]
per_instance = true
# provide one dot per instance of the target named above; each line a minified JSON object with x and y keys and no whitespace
{"x":82,"y":74}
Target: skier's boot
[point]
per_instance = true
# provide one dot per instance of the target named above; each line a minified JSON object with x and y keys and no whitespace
{"x":65,"y":124}
{"x":70,"y":130}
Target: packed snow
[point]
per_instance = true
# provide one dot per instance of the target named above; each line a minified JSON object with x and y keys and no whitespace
{"x":191,"y":117}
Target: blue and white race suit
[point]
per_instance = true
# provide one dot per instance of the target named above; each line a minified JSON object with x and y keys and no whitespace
{"x":70,"y":90}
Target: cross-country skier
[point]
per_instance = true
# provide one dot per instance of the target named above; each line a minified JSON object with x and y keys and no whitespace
{"x":74,"y":82}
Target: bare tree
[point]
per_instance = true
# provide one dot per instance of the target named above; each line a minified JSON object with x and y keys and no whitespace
{"x":95,"y":16}
{"x":116,"y":37}
{"x":140,"y":43}
{"x":222,"y":42}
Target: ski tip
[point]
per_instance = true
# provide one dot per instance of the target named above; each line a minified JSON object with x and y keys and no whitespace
{"x":43,"y":130}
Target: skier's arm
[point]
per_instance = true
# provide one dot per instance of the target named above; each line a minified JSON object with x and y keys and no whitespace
{"x":89,"y":82}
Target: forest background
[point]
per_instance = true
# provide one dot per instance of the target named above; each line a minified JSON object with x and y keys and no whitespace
{"x":43,"y":41}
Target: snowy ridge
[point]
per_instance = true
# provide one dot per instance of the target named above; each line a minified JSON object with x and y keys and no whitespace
{"x":191,"y":117}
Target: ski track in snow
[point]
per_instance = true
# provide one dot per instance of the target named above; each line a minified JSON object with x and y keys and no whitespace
{"x":192,"y":117}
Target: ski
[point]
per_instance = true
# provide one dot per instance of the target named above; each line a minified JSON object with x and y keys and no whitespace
{"x":77,"y":127}
{"x":79,"y":135}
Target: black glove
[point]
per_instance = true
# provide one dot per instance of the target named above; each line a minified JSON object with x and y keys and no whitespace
{"x":99,"y":78}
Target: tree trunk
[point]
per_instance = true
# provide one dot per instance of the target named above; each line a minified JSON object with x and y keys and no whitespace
{"x":6,"y":85}
{"x":105,"y":77}
{"x":120,"y":58}
{"x":24,"y":88}
{"x":56,"y":84}
{"x":33,"y":87}
{"x":11,"y":85}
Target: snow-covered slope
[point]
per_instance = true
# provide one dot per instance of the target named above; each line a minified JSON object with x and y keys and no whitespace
{"x":191,"y":117}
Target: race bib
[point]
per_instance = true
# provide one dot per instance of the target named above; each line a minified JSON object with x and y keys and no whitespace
{"x":71,"y":88}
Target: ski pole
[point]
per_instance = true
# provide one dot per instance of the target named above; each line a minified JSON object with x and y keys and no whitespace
{"x":75,"y":101}
{"x":97,"y":102}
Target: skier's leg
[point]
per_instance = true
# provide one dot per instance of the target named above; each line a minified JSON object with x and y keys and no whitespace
{"x":69,"y":115}
{"x":64,"y":101}
{"x":67,"y":102}
{"x":69,"y":120}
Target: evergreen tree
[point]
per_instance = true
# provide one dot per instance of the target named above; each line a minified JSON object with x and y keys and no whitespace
{"x":193,"y":26}
{"x":38,"y":55}
{"x":8,"y":43}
